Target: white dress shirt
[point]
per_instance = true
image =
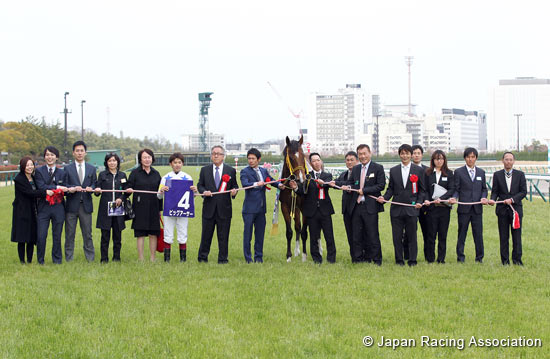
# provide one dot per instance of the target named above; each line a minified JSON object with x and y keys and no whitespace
{"x":405,"y":173}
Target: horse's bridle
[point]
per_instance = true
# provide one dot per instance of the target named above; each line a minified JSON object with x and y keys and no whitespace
{"x":293,"y":170}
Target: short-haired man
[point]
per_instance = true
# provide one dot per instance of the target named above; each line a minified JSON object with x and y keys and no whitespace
{"x":406,"y":186}
{"x":318,"y":209}
{"x":216,"y":209}
{"x":254,"y":205}
{"x":470,"y":186}
{"x":510,"y":186}
{"x":80,"y":178}
{"x":50,"y":177}
{"x":345,"y":177}
{"x":417,"y":154}
{"x":369,"y":179}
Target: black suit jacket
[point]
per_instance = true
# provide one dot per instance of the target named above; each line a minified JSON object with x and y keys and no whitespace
{"x":446,"y":181}
{"x":346,"y":197}
{"x":72,"y":180}
{"x":43,"y":181}
{"x":218,"y":205}
{"x":405,"y":194}
{"x":311,"y":198}
{"x":375,"y":181}
{"x":467,"y":190}
{"x":518,"y":191}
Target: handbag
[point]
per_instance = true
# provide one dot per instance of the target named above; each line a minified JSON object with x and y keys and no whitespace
{"x":160,"y":237}
{"x":129,"y":210}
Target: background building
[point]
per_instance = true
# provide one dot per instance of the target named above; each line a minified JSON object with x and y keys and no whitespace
{"x":338,"y":120}
{"x":192,"y":142}
{"x":528,"y":97}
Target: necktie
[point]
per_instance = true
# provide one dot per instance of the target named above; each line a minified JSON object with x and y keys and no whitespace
{"x":258,"y":175}
{"x":472,"y":174}
{"x":361,"y":182}
{"x":51,"y":172}
{"x":349,"y":175}
{"x":217,"y":177}
{"x":80,"y":173}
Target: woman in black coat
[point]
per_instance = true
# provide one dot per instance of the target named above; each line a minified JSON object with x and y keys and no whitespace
{"x":439,"y":213}
{"x":110,"y":179}
{"x":23,"y":227}
{"x":146,"y":205}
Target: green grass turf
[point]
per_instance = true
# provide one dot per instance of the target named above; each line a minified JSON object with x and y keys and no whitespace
{"x":278,"y":309}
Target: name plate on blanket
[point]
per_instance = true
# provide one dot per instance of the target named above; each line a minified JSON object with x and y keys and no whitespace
{"x":179,"y":200}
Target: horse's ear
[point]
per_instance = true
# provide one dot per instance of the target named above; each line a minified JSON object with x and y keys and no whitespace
{"x":287,"y":141}
{"x":301,"y":140}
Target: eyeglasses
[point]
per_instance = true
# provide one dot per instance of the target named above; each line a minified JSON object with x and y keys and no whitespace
{"x":217,"y":153}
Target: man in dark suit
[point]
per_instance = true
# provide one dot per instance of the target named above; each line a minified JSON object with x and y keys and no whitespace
{"x":80,"y":178}
{"x":470,"y":186}
{"x":417,"y":154}
{"x":510,"y":186}
{"x":368,"y":177}
{"x":50,"y":177}
{"x":343,"y":179}
{"x":254,"y":205}
{"x":318,"y":209}
{"x":406,"y":186}
{"x":216,"y":209}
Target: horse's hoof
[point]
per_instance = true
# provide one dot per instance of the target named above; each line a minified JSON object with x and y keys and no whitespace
{"x":289,"y":259}
{"x":304,"y":257}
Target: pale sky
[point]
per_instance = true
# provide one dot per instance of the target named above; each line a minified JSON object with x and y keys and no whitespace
{"x":146,"y":61}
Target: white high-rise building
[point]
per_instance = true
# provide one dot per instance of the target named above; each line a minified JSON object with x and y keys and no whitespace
{"x":338,"y":120}
{"x":527,"y":97}
{"x":464,"y":128}
{"x":192,"y":142}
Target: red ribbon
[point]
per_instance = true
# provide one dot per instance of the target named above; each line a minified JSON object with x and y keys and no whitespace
{"x":57,"y":197}
{"x":321,"y":191}
{"x":225,"y":178}
{"x":267,"y":179}
{"x":515,"y":224}
{"x":414,"y":179}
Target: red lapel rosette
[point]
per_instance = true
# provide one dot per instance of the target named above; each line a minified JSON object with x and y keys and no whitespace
{"x":321,"y":191}
{"x":57,"y":197}
{"x":414,"y":180}
{"x":225,"y":179}
{"x":267,"y":179}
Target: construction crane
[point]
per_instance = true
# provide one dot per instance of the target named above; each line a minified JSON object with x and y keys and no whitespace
{"x":297,"y":116}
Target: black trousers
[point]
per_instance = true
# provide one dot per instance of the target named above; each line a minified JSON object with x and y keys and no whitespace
{"x":505,"y":223}
{"x":348,"y":223}
{"x":317,"y":223}
{"x":426,"y":233}
{"x":366,"y":238}
{"x":117,"y":241}
{"x":464,"y":219}
{"x":404,"y":225}
{"x":222,"y":227}
{"x":438,"y":219}
{"x":25,"y":247}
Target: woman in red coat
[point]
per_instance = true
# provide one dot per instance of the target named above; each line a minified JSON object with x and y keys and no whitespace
{"x":23,"y":229}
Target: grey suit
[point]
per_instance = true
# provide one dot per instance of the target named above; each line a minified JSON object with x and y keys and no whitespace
{"x":79,"y":207}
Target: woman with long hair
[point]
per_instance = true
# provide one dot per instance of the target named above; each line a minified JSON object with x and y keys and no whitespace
{"x":441,"y":186}
{"x":24,"y":225}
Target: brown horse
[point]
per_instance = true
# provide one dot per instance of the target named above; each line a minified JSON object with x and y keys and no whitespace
{"x":294,"y":168}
